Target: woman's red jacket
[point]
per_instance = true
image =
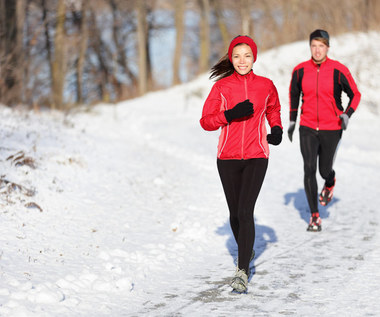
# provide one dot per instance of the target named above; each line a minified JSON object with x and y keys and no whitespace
{"x":244,"y":138}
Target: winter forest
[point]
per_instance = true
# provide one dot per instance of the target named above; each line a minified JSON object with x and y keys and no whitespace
{"x":61,"y":53}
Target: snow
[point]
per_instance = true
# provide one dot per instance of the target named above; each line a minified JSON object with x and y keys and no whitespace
{"x":118,"y":210}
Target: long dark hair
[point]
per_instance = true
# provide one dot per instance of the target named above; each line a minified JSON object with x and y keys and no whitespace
{"x":222,"y":68}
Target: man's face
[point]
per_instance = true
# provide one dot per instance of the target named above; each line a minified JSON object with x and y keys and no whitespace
{"x":319,"y":51}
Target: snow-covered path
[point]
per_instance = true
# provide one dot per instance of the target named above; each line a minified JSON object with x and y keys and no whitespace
{"x":133,"y":219}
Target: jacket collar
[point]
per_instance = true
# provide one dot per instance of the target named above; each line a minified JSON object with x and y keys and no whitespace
{"x":250,"y":76}
{"x":323,"y":63}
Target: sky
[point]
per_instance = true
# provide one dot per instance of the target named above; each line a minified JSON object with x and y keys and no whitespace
{"x":118,"y":210}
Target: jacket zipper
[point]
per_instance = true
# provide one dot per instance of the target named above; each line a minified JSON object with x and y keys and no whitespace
{"x":318,"y":97}
{"x":244,"y":122}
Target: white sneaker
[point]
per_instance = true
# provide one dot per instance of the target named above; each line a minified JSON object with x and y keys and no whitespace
{"x":239,"y":282}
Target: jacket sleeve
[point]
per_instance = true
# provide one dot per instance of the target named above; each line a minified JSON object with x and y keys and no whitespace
{"x":350,"y":88}
{"x":273,"y":111}
{"x":213,"y":110}
{"x":295,"y":90}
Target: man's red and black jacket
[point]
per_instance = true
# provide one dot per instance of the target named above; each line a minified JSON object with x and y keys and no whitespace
{"x":321,"y":86}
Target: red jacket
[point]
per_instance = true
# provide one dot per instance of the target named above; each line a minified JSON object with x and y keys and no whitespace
{"x":321,"y":88}
{"x":244,"y":138}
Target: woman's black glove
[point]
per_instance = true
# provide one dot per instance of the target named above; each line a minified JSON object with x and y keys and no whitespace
{"x":242,"y":109}
{"x":275,"y":136}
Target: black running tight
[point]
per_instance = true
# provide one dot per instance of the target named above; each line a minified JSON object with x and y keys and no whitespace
{"x":242,"y":180}
{"x":323,"y":145}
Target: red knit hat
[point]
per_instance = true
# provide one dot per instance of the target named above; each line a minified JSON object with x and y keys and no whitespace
{"x":246,"y":40}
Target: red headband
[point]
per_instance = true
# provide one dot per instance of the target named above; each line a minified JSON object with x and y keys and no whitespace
{"x":246,"y":40}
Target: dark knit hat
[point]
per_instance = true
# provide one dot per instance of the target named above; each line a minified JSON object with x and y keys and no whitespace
{"x":320,"y":34}
{"x":246,"y":40}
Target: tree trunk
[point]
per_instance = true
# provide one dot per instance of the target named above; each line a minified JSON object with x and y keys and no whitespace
{"x":245,"y":9}
{"x":204,"y":36}
{"x":47,"y":37}
{"x":82,"y":51}
{"x":58,"y":62}
{"x":141,"y":43}
{"x":12,"y":18}
{"x":366,"y":15}
{"x":290,"y":32}
{"x":123,"y":90}
{"x":179,"y":26}
{"x":149,"y":28}
{"x":102,"y":73}
{"x":221,"y":24}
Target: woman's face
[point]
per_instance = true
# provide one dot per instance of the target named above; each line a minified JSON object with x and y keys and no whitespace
{"x":318,"y":51}
{"x":242,"y":58}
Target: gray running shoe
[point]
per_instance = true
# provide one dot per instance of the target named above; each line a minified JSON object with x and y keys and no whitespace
{"x":239,"y":282}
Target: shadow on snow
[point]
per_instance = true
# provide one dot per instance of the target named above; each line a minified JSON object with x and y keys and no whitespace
{"x":300,"y":204}
{"x":263,"y":236}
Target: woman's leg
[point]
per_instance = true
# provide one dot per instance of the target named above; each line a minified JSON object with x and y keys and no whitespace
{"x":253,"y":178}
{"x":230,"y":172}
{"x":242,"y":181}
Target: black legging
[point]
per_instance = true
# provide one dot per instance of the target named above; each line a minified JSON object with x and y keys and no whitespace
{"x":314,"y":144}
{"x":242,"y":180}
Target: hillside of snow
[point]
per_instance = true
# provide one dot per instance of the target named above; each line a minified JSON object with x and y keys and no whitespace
{"x":118,"y":210}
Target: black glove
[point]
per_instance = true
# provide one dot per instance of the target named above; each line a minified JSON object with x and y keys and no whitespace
{"x":275,"y":136}
{"x":292,"y":126}
{"x":242,"y":109}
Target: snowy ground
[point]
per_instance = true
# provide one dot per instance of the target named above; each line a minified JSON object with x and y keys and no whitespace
{"x":119,"y":211}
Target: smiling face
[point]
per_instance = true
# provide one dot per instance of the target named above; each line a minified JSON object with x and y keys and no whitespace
{"x":319,"y":51}
{"x":242,"y":58}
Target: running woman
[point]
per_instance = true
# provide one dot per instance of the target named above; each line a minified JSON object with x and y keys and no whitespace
{"x":320,"y":81}
{"x":239,"y":103}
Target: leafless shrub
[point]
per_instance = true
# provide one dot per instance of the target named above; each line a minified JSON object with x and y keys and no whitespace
{"x":33,"y":205}
{"x":19,"y":159}
{"x":8,"y":187}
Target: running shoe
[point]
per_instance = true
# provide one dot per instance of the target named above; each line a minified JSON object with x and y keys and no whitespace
{"x":326,"y":194}
{"x":239,"y":282}
{"x":315,"y":223}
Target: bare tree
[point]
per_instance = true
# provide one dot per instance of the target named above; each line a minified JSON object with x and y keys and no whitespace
{"x":122,"y":15}
{"x":58,"y":67}
{"x":142,"y":50}
{"x":221,"y":22}
{"x":83,"y":27}
{"x":245,"y":8}
{"x":179,"y":27}
{"x":99,"y":71}
{"x":12,"y":16}
{"x":204,"y":34}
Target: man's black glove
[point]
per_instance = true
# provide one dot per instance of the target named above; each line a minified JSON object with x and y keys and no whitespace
{"x":344,"y":117}
{"x":275,"y":136}
{"x":292,"y":126}
{"x":242,"y":109}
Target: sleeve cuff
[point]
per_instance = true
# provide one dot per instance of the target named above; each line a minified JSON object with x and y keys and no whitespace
{"x":349,"y":112}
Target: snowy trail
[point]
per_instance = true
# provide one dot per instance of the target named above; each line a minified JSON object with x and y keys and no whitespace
{"x":134,"y":221}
